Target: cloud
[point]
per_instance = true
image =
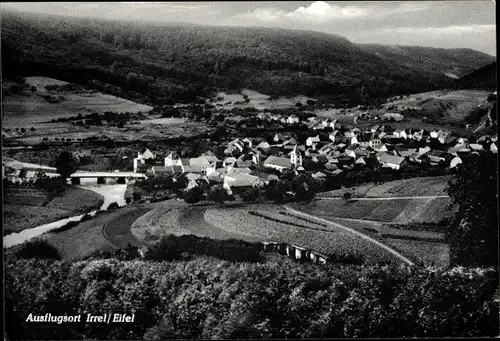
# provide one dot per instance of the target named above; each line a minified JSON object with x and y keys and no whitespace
{"x":321,"y":12}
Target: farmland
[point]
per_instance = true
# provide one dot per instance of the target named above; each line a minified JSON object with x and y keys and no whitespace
{"x":30,"y":107}
{"x":21,"y":214}
{"x":389,"y":211}
{"x":313,"y":236}
{"x":256,"y":100}
{"x":425,"y":186}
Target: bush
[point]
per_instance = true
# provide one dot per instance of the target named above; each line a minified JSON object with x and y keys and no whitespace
{"x":175,"y":247}
{"x":193,"y":195}
{"x":209,"y":298}
{"x":113,"y":206}
{"x":38,"y":248}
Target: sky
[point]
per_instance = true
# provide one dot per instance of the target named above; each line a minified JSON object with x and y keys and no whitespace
{"x":446,"y":24}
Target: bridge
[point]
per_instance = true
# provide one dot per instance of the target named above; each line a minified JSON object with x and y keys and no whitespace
{"x":102,"y":176}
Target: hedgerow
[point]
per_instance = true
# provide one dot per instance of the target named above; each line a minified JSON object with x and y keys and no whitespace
{"x":211,"y":298}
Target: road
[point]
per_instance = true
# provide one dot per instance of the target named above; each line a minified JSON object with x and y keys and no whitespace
{"x":386,"y":198}
{"x":345,"y":228}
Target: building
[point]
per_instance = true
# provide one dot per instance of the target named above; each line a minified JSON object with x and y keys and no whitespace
{"x":391,"y":161}
{"x":277,"y":162}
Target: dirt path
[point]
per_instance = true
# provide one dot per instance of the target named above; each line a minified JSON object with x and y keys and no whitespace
{"x":345,"y":228}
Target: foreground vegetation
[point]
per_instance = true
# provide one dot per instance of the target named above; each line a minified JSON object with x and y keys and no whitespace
{"x":210,"y":298}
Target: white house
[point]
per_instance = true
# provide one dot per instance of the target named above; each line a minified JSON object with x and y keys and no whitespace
{"x":142,"y":156}
{"x":172,"y":159}
{"x":292,"y":119}
{"x":455,"y":162}
{"x":312,"y":141}
{"x":494,"y":148}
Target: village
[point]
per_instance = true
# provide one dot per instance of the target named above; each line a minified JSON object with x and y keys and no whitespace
{"x":331,"y":151}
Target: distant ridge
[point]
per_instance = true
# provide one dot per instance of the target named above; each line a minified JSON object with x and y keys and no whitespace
{"x":482,"y":78}
{"x":182,"y":61}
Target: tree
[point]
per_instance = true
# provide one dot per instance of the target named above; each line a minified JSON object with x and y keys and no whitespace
{"x":219,"y":133}
{"x":347,"y":196}
{"x":251,"y":195}
{"x":66,"y":164}
{"x":193,"y":195}
{"x":473,"y":235}
{"x":218,"y":195}
{"x":113,"y":206}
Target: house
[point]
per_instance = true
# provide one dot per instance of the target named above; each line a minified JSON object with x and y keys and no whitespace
{"x":161,"y":170}
{"x":312,"y":141}
{"x":200,"y":164}
{"x":144,"y":156}
{"x":229,"y":162}
{"x":327,"y":148}
{"x":400,"y":134}
{"x":381,"y":148}
{"x":319,"y":175}
{"x":240,"y":181}
{"x":172,"y":159}
{"x":405,"y":152}
{"x":278,"y":163}
{"x":458,"y":148}
{"x":320,"y":159}
{"x":335,"y":136}
{"x":475,"y":147}
{"x":436,"y":157}
{"x":350,"y":152}
{"x":392,"y":116}
{"x":278,"y":138}
{"x":344,"y":161}
{"x":292,"y":119}
{"x":365,"y":139}
{"x":390,"y":161}
{"x":455,"y":161}
{"x":494,"y":148}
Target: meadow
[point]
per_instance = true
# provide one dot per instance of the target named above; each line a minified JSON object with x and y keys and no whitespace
{"x":31,"y":108}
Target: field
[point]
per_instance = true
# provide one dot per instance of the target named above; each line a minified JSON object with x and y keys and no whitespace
{"x":319,"y":237}
{"x":81,"y":240}
{"x":257,"y":100}
{"x":30,"y":108}
{"x":424,"y":186}
{"x":74,"y":201}
{"x":454,"y":106}
{"x":426,"y":247}
{"x":402,"y":211}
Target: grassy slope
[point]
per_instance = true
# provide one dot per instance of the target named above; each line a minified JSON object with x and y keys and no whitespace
{"x":74,"y":201}
{"x":424,"y":186}
{"x":30,"y":108}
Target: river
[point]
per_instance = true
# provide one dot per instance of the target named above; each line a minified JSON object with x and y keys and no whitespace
{"x":110,"y":192}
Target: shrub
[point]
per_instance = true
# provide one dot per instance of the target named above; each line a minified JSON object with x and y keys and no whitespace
{"x":38,"y":248}
{"x":209,"y":298}
{"x":113,"y":206}
{"x":193,"y":195}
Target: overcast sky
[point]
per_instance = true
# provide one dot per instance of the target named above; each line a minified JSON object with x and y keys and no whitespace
{"x":447,"y":24}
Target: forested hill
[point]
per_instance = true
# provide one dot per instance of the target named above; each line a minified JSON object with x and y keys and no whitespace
{"x":483,"y":78}
{"x":157,"y":63}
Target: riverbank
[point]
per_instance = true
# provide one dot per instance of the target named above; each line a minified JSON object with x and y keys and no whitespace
{"x":23,"y":214}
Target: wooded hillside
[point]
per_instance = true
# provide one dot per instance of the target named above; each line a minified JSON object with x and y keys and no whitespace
{"x":156,"y":62}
